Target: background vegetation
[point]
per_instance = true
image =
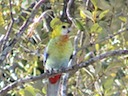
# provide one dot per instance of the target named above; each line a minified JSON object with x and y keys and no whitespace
{"x":99,"y":26}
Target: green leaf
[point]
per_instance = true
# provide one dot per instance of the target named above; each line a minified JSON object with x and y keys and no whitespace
{"x":102,"y":15}
{"x":2,"y":30}
{"x":82,"y":14}
{"x":97,"y":47}
{"x":78,"y":24}
{"x":94,"y":2}
{"x":104,"y":4}
{"x":85,"y":13}
{"x":88,"y":14}
{"x":44,"y":90}
{"x":1,"y":19}
{"x":96,"y":28}
{"x":21,"y":92}
{"x":108,"y":83}
{"x":31,"y":90}
{"x":124,"y":19}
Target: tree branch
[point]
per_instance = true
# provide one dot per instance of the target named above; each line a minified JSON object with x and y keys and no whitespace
{"x":68,"y":10}
{"x":6,"y":37}
{"x":20,"y":32}
{"x":64,"y":14}
{"x":122,"y":30}
{"x":71,"y":68}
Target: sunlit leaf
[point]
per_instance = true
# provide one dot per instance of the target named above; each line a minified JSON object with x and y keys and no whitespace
{"x":82,"y":14}
{"x":113,"y":74}
{"x":102,"y":15}
{"x":94,"y":15}
{"x":44,"y":90}
{"x":97,"y":46}
{"x":124,"y":19}
{"x":21,"y":92}
{"x":96,"y":28}
{"x":86,"y":13}
{"x":1,"y":19}
{"x":31,"y":90}
{"x":52,"y":1}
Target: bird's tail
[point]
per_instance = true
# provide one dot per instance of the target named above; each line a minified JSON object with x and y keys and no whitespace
{"x":53,"y":89}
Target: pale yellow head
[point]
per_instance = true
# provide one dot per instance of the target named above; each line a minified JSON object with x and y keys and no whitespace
{"x":59,"y":28}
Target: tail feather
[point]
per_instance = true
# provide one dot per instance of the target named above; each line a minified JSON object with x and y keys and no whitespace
{"x":53,"y":89}
{"x":54,"y":79}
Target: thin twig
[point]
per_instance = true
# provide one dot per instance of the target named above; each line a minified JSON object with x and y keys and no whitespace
{"x":20,"y":82}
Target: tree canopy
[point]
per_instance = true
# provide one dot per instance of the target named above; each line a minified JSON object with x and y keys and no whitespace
{"x":99,"y":66}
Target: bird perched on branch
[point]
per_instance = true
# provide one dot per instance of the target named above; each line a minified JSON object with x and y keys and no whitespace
{"x":57,"y":53}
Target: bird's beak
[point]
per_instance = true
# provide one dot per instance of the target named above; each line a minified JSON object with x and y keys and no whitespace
{"x":69,"y":30}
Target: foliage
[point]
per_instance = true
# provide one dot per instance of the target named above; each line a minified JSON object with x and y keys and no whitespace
{"x":100,"y":22}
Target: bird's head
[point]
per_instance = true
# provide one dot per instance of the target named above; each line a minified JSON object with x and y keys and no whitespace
{"x":59,"y":28}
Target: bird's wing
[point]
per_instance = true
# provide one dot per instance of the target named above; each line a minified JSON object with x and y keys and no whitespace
{"x":45,"y":55}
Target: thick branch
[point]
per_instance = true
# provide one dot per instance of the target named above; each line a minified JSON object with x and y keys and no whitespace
{"x":20,"y":32}
{"x":75,"y":67}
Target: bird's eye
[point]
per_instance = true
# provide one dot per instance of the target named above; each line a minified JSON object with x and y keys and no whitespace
{"x":63,"y":26}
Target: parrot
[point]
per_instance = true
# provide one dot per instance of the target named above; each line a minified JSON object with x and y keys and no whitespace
{"x":57,"y":53}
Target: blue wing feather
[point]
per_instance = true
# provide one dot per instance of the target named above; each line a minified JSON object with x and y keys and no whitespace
{"x":45,"y":55}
